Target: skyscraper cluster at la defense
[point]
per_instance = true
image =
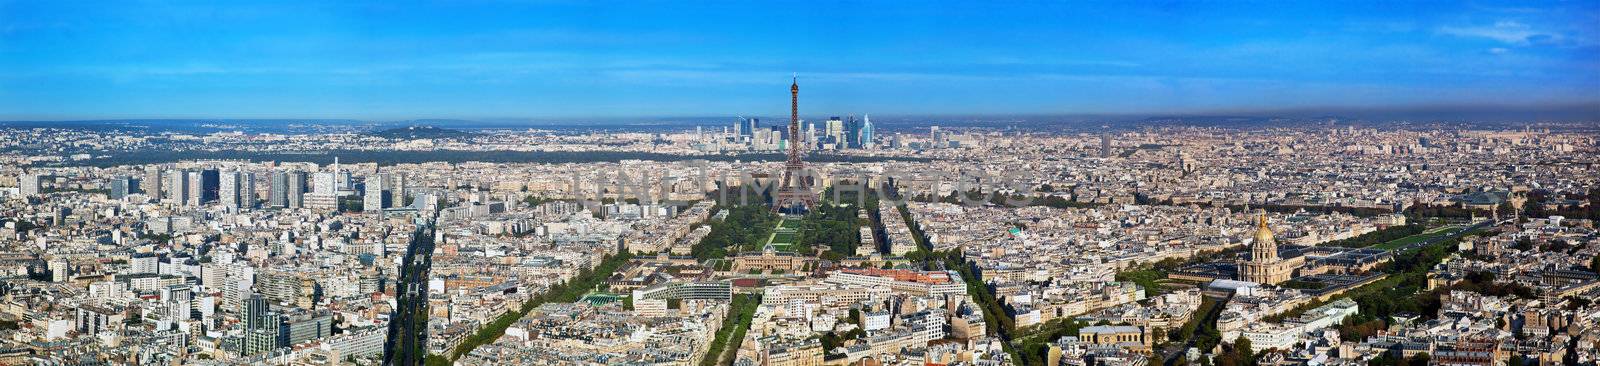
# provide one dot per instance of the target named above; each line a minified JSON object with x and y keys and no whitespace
{"x":836,"y":133}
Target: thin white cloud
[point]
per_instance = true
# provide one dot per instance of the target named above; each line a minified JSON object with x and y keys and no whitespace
{"x":1506,"y":31}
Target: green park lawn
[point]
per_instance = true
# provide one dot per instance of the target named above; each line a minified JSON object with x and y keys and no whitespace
{"x":1431,"y":233}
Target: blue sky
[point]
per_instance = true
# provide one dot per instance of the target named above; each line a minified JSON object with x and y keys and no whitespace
{"x":487,"y":59}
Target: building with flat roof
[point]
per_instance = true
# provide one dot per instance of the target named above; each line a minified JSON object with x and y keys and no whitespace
{"x":1123,"y":336}
{"x":652,"y":300}
{"x":909,"y":281}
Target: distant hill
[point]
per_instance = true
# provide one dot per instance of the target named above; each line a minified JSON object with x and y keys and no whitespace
{"x":420,"y":132}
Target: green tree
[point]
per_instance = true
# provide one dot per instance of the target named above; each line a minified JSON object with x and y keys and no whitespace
{"x":1420,"y":359}
{"x":1244,"y":350}
{"x":1384,"y":360}
{"x":745,"y":228}
{"x":740,"y":312}
{"x":1237,"y":355}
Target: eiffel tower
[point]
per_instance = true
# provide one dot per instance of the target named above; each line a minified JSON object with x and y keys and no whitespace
{"x":794,"y":191}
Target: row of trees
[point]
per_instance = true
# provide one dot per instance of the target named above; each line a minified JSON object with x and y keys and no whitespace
{"x":1032,"y":344}
{"x":1061,"y":202}
{"x":1456,"y":210}
{"x":997,"y":321}
{"x":740,"y":313}
{"x":1202,"y":326}
{"x":1380,"y":236}
{"x":570,"y":291}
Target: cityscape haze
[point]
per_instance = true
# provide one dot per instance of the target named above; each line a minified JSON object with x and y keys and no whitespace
{"x":1135,"y":183}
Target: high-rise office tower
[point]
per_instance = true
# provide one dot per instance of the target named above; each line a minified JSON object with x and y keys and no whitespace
{"x":397,"y":190}
{"x":297,"y":189}
{"x":835,"y":130}
{"x":262,"y":327}
{"x":323,"y":183}
{"x":122,"y":187}
{"x":1105,"y":145}
{"x":228,"y":189}
{"x":866,"y":131}
{"x":177,"y":187}
{"x":278,"y":190}
{"x":376,"y":198}
{"x":196,"y":187}
{"x":852,"y":132}
{"x":210,"y":185}
{"x":811,"y":136}
{"x":344,"y":184}
{"x":247,"y":190}
{"x":168,"y":190}
{"x":255,"y":308}
{"x":324,"y":192}
{"x":31,"y":184}
{"x":151,"y":185}
{"x":237,"y":189}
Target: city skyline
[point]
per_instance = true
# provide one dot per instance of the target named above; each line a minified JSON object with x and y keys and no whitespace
{"x":1327,"y":244}
{"x":561,"y":60}
{"x":556,"y":182}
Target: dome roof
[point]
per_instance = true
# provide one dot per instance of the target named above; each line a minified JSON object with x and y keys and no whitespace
{"x":1263,"y":233}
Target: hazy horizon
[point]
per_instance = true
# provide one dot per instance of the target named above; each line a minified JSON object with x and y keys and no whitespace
{"x":1570,"y":112}
{"x":386,"y":61}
